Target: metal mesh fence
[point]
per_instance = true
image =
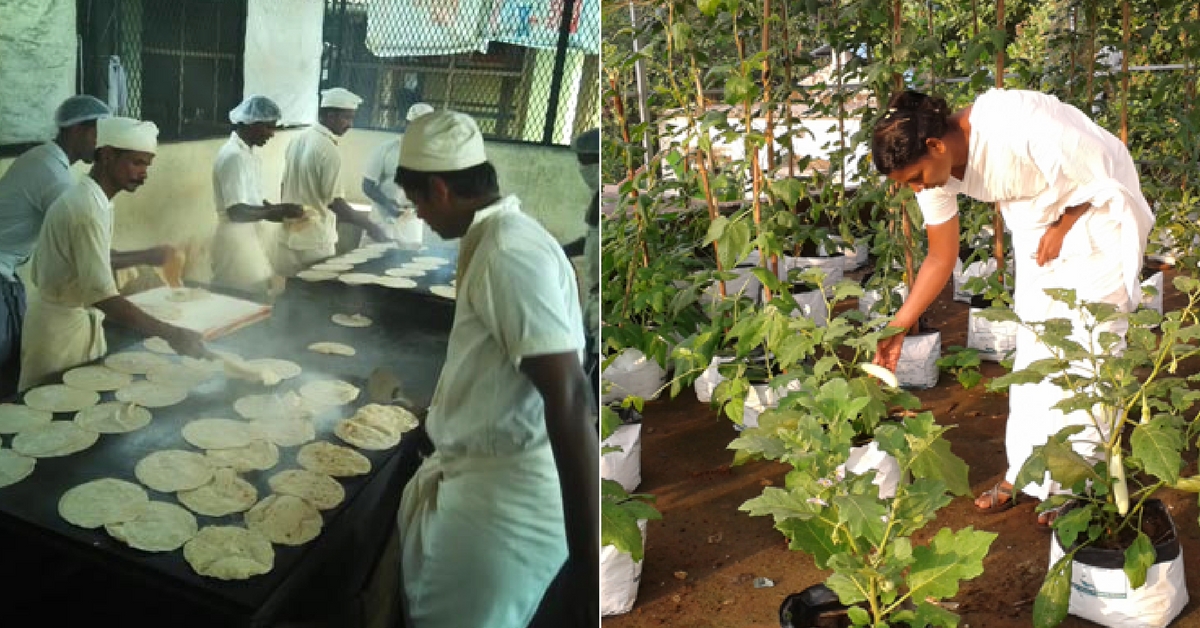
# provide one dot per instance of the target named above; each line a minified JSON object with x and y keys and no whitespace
{"x":517,"y":66}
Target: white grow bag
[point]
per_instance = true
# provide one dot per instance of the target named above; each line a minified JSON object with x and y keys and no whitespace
{"x":871,"y":297}
{"x":871,"y":458}
{"x":993,"y":340}
{"x":760,"y":398}
{"x":1104,"y":596}
{"x":1154,"y":302}
{"x":854,"y":257}
{"x":982,"y":268}
{"x":833,"y":267}
{"x":710,"y":379}
{"x":811,"y":305}
{"x":632,"y":373}
{"x":619,"y":578}
{"x":624,"y":467}
{"x":918,"y":367}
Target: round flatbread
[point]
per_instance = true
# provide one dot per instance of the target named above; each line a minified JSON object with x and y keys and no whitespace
{"x":113,"y":417}
{"x":402,"y":283}
{"x":15,"y":418}
{"x":229,"y":553}
{"x":151,"y":394}
{"x":404,"y":272}
{"x":429,"y":259}
{"x":376,"y":427}
{"x":259,"y":455}
{"x":60,"y":398}
{"x":172,"y":470}
{"x":332,"y":460}
{"x":316,"y":275}
{"x":286,"y":432}
{"x":329,"y":392}
{"x":158,"y":345}
{"x":163,"y":311}
{"x":447,"y":292}
{"x":179,"y":375}
{"x":357,"y":279}
{"x":333,"y":267}
{"x":14,"y":467}
{"x":332,"y":348}
{"x":101,"y":502}
{"x":184,"y":295}
{"x":286,"y":406}
{"x":285,"y":519}
{"x":283,"y":368}
{"x":351,"y":320}
{"x":318,"y":489}
{"x":224,"y":495}
{"x":54,"y":439}
{"x":421,"y":266}
{"x":96,"y":378}
{"x":220,"y":433}
{"x":161,"y":527}
{"x":135,"y":362}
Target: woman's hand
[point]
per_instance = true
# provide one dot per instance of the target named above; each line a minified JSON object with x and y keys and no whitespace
{"x":887,"y":354}
{"x":1051,"y":243}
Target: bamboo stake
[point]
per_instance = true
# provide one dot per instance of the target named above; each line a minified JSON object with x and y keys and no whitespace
{"x":787,"y":80}
{"x":752,"y":155}
{"x":623,"y":121}
{"x":703,"y":157}
{"x":1091,"y":61}
{"x":1125,"y":73}
{"x":773,"y":263}
{"x":997,"y":219}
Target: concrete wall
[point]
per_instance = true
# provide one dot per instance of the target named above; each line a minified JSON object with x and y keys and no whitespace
{"x":176,"y":204}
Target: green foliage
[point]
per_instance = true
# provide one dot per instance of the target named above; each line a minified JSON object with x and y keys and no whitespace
{"x":619,"y":514}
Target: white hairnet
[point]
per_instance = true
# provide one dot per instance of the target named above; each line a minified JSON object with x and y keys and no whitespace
{"x":418,"y":110}
{"x":255,"y":109}
{"x":80,"y":108}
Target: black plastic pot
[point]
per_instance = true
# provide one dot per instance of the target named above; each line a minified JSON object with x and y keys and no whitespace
{"x":814,"y":607}
{"x":801,"y":287}
{"x":1165,"y":550}
{"x":981,"y":302}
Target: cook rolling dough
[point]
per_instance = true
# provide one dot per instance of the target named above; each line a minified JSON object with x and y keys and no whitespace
{"x":54,"y":439}
{"x":332,"y":348}
{"x":285,"y":519}
{"x":60,"y":398}
{"x":161,"y":527}
{"x":113,"y":417}
{"x":172,"y":470}
{"x":224,"y":495}
{"x":318,"y":489}
{"x":151,"y":394}
{"x":96,"y":378}
{"x":229,"y":553}
{"x":17,"y":418}
{"x":332,"y":460}
{"x":101,"y":502}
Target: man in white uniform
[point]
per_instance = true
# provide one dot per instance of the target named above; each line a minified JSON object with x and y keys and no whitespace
{"x":30,"y":185}
{"x":511,"y":490}
{"x":72,"y":266}
{"x":379,"y":184}
{"x":312,"y":178}
{"x":240,"y":260}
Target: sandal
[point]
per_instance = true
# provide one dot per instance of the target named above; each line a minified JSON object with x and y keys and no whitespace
{"x":1046,"y":517}
{"x":994,"y":495}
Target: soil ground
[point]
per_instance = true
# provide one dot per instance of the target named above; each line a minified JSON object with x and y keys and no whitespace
{"x":703,"y":556}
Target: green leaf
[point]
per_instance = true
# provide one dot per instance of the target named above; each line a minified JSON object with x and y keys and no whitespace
{"x":609,"y":422}
{"x":1158,"y":444}
{"x":859,"y":616}
{"x":1189,"y":484}
{"x":863,"y":516}
{"x":1071,"y":524}
{"x":739,"y":89}
{"x":716,"y":229}
{"x":781,"y":504}
{"x":812,"y":537}
{"x":919,"y":503}
{"x":709,"y":7}
{"x":1139,"y":557}
{"x":1057,"y":456}
{"x":618,"y":527}
{"x":931,"y":456}
{"x":931,"y":615}
{"x":759,"y":442}
{"x":949,"y":558}
{"x":787,"y":190}
{"x":1053,"y":599}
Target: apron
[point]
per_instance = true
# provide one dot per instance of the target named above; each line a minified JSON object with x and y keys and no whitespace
{"x":239,"y":260}
{"x":56,"y":338}
{"x":306,"y":240}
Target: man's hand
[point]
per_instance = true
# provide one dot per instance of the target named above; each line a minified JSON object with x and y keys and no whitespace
{"x":377,"y":232}
{"x":187,"y":342}
{"x":887,"y":354}
{"x":158,"y":255}
{"x":281,"y":211}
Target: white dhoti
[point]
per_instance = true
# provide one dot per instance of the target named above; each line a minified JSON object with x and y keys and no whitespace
{"x":56,"y":338}
{"x":489,"y":529}
{"x":305,"y":241}
{"x":239,"y":259}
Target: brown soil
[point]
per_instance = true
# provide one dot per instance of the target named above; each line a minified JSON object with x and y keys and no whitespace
{"x":703,"y":556}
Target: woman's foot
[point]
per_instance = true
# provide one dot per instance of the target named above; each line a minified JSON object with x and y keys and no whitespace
{"x":996,"y":499}
{"x":1046,"y":517}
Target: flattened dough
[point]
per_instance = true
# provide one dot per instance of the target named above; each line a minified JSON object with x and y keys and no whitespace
{"x":318,"y":489}
{"x":356,"y":279}
{"x":101,"y":502}
{"x":161,"y":527}
{"x":429,"y":259}
{"x":152,"y":395}
{"x":135,"y":362}
{"x":158,"y":345}
{"x":286,"y":406}
{"x":163,"y":311}
{"x":286,"y":432}
{"x":332,"y":460}
{"x":285,"y":519}
{"x":397,"y":282}
{"x":329,"y":392}
{"x":376,"y":427}
{"x":229,"y":553}
{"x":285,"y":369}
{"x":351,"y":320}
{"x":404,"y":272}
{"x":96,"y":378}
{"x":113,"y":417}
{"x":212,"y":433}
{"x":179,"y":375}
{"x":335,"y":267}
{"x":332,"y":348}
{"x":18,"y":418}
{"x":184,"y":295}
{"x":448,"y":292}
{"x":259,"y":455}
{"x":14,"y":467}
{"x":60,"y":398}
{"x":172,"y":470}
{"x":54,"y":439}
{"x":316,"y":275}
{"x":224,"y":495}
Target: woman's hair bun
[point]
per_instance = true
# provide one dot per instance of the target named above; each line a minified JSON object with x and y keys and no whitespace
{"x":900,"y":135}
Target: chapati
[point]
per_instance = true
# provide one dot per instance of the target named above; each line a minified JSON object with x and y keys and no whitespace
{"x":134,"y":362}
{"x":101,"y":502}
{"x":429,"y":259}
{"x":161,"y":527}
{"x":397,"y":282}
{"x":285,"y":519}
{"x":54,"y":439}
{"x":151,"y":394}
{"x":172,"y":470}
{"x":332,"y":348}
{"x":158,"y":345}
{"x":224,"y":495}
{"x":229,"y":553}
{"x":14,"y":467}
{"x":316,"y":275}
{"x":113,"y":417}
{"x":351,"y":320}
{"x":286,"y":406}
{"x":211,"y":433}
{"x":179,"y":375}
{"x":318,"y":489}
{"x":96,"y":378}
{"x":332,"y":460}
{"x":376,"y":427}
{"x":421,"y":266}
{"x":404,"y":272}
{"x":259,"y":455}
{"x":356,"y":279}
{"x":15,"y":417}
{"x":329,"y":392}
{"x":286,"y":432}
{"x":448,"y":292}
{"x":184,"y":295}
{"x":163,"y":311}
{"x":60,"y":398}
{"x":285,"y":369}
{"x":333,"y":267}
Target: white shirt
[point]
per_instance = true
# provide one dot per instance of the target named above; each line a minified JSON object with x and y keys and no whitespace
{"x":312,"y":168}
{"x":517,"y":298}
{"x":236,"y":173}
{"x":381,"y":169}
{"x":72,"y":265}
{"x":30,"y":185}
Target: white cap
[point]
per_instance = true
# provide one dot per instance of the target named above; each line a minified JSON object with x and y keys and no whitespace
{"x":255,"y":109}
{"x":128,"y":134}
{"x":418,"y":110}
{"x":442,"y":141}
{"x":338,"y":98}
